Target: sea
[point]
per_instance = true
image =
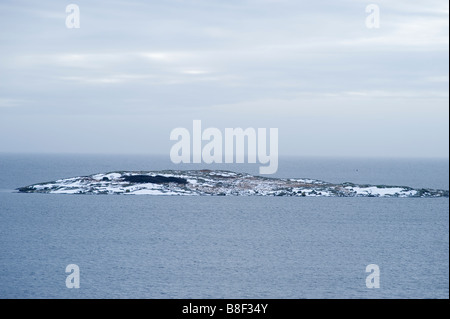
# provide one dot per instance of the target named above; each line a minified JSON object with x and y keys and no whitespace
{"x":182,"y":247}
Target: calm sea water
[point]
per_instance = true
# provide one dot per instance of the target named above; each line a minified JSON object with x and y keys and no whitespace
{"x":223,"y":247}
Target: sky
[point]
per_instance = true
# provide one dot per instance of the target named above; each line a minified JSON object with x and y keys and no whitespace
{"x":136,"y":70}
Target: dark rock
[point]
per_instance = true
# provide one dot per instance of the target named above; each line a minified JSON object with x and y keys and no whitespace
{"x":26,"y":189}
{"x":158,"y":179}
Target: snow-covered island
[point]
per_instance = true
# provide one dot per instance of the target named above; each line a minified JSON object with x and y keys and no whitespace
{"x":217,"y":183}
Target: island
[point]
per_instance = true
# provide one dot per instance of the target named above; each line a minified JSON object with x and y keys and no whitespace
{"x":217,"y":183}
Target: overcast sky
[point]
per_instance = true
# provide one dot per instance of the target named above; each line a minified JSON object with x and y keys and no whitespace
{"x":135,"y":70}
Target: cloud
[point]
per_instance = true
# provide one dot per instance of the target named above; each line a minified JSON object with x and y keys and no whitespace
{"x":438,"y":79}
{"x":112,"y":79}
{"x":194,"y":72}
{"x":353,"y":104}
{"x":5,"y":102}
{"x":162,"y":56}
{"x":249,"y":59}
